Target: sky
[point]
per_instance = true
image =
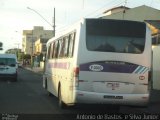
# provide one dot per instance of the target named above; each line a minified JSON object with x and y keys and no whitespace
{"x":15,"y":17}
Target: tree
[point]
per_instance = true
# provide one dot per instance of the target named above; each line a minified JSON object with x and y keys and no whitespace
{"x":16,"y":51}
{"x":20,"y":56}
{"x":26,"y":56}
{"x":26,"y":59}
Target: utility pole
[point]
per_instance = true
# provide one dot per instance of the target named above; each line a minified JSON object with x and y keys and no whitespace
{"x":54,"y":24}
{"x":32,"y":52}
{"x":124,"y":8}
{"x":17,"y":51}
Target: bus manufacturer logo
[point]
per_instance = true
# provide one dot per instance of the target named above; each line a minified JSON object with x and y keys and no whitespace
{"x":96,"y":67}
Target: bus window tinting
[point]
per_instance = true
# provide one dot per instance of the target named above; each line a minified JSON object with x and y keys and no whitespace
{"x":71,"y":44}
{"x":115,"y":36}
{"x":66,"y":39}
{"x":49,"y":51}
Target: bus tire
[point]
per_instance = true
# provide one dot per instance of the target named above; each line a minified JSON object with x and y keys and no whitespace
{"x":60,"y":101}
{"x":46,"y":87}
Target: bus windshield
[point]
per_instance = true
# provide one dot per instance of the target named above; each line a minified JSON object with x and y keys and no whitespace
{"x":115,"y":36}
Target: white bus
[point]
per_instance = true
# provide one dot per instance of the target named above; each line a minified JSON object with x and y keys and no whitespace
{"x":100,"y":61}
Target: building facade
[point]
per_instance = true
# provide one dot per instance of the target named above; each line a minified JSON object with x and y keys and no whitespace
{"x":31,"y":36}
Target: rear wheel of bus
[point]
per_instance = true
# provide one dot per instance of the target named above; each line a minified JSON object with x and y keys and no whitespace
{"x":46,"y":87}
{"x":60,"y":101}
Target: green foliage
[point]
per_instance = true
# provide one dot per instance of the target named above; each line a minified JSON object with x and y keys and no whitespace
{"x":20,"y":56}
{"x":26,"y":56}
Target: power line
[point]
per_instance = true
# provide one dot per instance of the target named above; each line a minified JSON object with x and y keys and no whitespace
{"x":111,"y":4}
{"x":39,"y":15}
{"x":104,"y":8}
{"x":53,"y":26}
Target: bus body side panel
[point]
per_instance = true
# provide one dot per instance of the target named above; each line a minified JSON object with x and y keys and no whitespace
{"x":66,"y":76}
{"x":51,"y":77}
{"x":60,"y":71}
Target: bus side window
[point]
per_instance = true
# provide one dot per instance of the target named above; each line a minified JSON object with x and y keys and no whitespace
{"x":61,"y":48}
{"x":71,"y":44}
{"x":56,"y":49}
{"x":66,"y":47}
{"x":49,"y":51}
{"x":53,"y":49}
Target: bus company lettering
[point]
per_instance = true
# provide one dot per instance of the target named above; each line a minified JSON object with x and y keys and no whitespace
{"x":96,"y":67}
{"x":61,"y":65}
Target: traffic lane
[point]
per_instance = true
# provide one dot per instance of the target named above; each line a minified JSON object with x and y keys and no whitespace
{"x":28,"y":96}
{"x":152,"y":108}
{"x":33,"y":82}
{"x":37,"y":87}
{"x":19,"y":98}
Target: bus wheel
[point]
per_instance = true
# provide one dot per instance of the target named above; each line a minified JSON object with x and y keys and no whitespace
{"x":60,"y":102}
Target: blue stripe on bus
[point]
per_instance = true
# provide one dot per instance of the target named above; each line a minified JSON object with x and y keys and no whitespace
{"x":112,"y":67}
{"x":139,"y":69}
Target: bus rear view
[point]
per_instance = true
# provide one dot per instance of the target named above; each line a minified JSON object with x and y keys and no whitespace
{"x":114,"y":60}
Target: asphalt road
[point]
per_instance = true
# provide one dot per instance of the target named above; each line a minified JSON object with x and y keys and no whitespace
{"x":28,"y":98}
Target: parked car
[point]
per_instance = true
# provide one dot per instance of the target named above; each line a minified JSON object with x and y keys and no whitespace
{"x":8,"y":66}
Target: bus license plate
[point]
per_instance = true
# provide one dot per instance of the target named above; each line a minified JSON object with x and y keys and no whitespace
{"x":113,"y":97}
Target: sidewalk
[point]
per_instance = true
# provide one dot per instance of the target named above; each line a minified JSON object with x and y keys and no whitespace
{"x":34,"y":69}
